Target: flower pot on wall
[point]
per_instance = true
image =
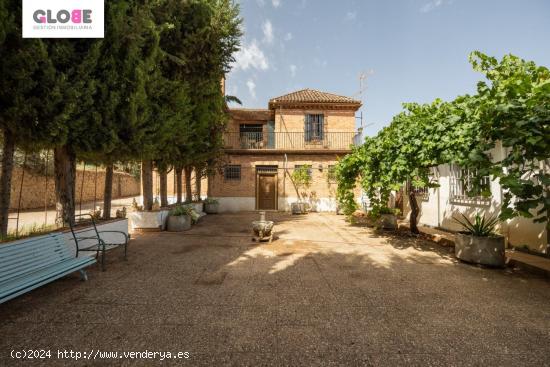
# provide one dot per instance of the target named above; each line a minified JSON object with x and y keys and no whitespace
{"x":480,"y":250}
{"x":179,"y":223}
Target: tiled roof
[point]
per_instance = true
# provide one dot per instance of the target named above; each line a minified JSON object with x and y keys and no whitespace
{"x":251,"y":114}
{"x":312,"y":96}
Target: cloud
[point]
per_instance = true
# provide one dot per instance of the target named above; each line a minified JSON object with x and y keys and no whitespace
{"x":434,"y":4}
{"x":293,"y":70}
{"x":251,"y":88}
{"x":288,"y":36}
{"x":267,"y":28}
{"x":351,"y":15}
{"x":276,"y":3}
{"x":250,"y":56}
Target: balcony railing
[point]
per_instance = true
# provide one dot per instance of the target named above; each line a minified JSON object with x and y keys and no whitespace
{"x":288,"y":141}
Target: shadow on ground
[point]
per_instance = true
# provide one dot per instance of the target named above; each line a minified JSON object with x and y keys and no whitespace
{"x":322,"y":293}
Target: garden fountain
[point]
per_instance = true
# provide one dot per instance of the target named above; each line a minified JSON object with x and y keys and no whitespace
{"x":263,"y":229}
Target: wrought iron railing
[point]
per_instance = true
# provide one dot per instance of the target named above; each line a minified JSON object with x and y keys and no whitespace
{"x":288,"y":140}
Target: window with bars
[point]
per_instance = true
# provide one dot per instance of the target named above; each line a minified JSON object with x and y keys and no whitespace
{"x":464,"y":188}
{"x":232,"y":173}
{"x":314,"y":127}
{"x":309,"y":170}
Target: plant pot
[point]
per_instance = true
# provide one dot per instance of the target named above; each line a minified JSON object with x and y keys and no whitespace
{"x":480,"y":250}
{"x":263,"y":229}
{"x":179,"y":223}
{"x":298,"y":208}
{"x":387,"y":221}
{"x":149,"y":220}
{"x":211,"y":208}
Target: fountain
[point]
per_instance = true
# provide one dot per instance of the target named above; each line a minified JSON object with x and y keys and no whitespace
{"x":263,"y":229}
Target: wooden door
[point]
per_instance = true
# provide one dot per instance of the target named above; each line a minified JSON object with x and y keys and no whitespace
{"x":267,"y":192}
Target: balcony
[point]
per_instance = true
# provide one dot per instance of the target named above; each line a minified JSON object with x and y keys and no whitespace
{"x":288,"y":141}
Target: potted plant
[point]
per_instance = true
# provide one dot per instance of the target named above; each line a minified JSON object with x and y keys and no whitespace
{"x":383,"y":217}
{"x":179,"y":218}
{"x":211,"y":206}
{"x":479,"y":243}
{"x":301,"y":178}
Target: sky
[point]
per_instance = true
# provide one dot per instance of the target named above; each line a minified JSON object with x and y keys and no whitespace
{"x":408,"y":50}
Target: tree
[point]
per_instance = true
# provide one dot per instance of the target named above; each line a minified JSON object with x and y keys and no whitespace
{"x":28,"y":80}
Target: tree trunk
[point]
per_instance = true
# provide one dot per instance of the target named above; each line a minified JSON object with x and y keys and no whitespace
{"x":188,"y":190}
{"x":65,"y":181}
{"x":178,"y":184}
{"x":414,"y":211}
{"x":163,"y":178}
{"x":147,"y":184}
{"x":108,"y":193}
{"x":5,"y":181}
{"x":198,"y":183}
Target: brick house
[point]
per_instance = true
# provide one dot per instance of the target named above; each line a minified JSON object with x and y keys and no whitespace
{"x":264,"y":146}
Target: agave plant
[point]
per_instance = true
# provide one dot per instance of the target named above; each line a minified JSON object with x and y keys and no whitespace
{"x":480,"y":227}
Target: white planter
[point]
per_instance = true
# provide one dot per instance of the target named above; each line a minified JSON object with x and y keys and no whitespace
{"x":198,"y":207}
{"x":149,"y":220}
{"x":211,"y":208}
{"x":480,"y":250}
{"x":120,"y":225}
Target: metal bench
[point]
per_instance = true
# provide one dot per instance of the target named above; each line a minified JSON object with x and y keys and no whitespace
{"x":88,"y":239}
{"x":30,"y":263}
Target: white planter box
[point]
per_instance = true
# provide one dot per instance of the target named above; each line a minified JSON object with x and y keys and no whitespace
{"x":149,"y":220}
{"x":113,"y":225}
{"x":198,"y":207}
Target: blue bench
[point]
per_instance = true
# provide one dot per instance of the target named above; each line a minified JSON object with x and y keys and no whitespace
{"x":33,"y":262}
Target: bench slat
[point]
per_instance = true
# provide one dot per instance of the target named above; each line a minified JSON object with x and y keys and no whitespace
{"x":32,"y":263}
{"x":43,"y":277}
{"x":7,"y":251}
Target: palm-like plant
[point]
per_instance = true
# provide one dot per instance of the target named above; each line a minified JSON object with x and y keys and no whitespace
{"x":480,"y":227}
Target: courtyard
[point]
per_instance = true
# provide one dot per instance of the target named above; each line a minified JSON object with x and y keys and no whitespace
{"x":323,"y":293}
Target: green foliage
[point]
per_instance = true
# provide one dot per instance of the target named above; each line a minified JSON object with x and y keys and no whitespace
{"x":480,"y":227}
{"x":301,"y":177}
{"x":211,"y":201}
{"x":513,"y":109}
{"x":181,"y":210}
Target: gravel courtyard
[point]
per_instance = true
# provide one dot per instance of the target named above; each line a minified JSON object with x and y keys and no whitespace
{"x":323,"y":293}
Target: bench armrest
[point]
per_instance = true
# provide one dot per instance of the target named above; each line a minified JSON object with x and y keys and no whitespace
{"x":126,"y":237}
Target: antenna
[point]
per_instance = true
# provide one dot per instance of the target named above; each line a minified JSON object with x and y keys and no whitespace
{"x":362,"y":87}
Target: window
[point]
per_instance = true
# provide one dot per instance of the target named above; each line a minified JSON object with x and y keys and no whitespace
{"x":232,"y":173}
{"x":464,"y":188}
{"x":331,"y":174}
{"x":309,"y":171}
{"x":314,"y":127}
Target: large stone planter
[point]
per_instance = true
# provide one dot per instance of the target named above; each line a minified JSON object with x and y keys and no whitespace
{"x":298,"y":208}
{"x":179,"y":223}
{"x":149,"y":220}
{"x":263,"y":230}
{"x":211,"y":208}
{"x":387,"y":221}
{"x":480,"y":250}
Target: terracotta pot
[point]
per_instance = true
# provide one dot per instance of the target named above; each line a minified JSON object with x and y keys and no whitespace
{"x":480,"y":250}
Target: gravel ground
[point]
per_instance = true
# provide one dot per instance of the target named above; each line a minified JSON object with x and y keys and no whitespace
{"x":323,"y":293}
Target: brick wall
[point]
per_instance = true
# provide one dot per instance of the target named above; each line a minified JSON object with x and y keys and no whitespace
{"x":246,"y":186}
{"x":39,"y":191}
{"x":293,"y":120}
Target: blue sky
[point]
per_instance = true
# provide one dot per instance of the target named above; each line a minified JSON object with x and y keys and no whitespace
{"x":409,"y":50}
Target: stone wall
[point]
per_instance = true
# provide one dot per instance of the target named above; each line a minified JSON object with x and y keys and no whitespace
{"x":38,"y":191}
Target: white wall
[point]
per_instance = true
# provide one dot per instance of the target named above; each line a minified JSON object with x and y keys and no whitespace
{"x":239,"y":204}
{"x":438,"y":211}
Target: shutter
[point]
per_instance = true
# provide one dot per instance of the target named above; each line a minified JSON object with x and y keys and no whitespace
{"x":321,"y":127}
{"x":307,"y":128}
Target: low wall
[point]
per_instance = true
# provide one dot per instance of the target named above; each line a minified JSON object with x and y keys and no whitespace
{"x":39,"y":191}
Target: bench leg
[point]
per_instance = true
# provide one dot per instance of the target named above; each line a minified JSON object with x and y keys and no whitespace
{"x":103,"y":259}
{"x":83,"y":275}
{"x":126,"y":251}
